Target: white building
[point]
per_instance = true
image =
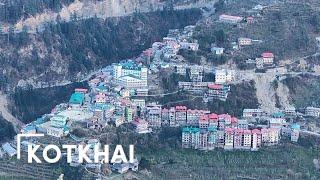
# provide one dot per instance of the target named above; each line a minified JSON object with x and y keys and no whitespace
{"x":312,"y":111}
{"x":196,"y":73}
{"x":244,"y":41}
{"x":230,"y":19}
{"x":189,"y":46}
{"x":249,"y":113}
{"x":223,"y":76}
{"x":217,"y":50}
{"x":130,"y":74}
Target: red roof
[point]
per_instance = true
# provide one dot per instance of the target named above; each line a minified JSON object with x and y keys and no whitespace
{"x":165,"y":110}
{"x":247,"y":132}
{"x":239,"y":131}
{"x":204,"y":118}
{"x":234,"y":120}
{"x":181,"y":108}
{"x":256,"y":131}
{"x":215,"y":86}
{"x":267,"y":55}
{"x":213,"y":116}
{"x":230,"y":130}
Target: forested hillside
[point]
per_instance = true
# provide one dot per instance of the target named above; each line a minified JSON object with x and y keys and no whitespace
{"x":66,"y":51}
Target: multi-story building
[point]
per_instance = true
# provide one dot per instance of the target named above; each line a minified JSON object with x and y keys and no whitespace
{"x":277,"y":122}
{"x":213,"y":120}
{"x":229,"y":136}
{"x":181,"y":69}
{"x":128,"y":114}
{"x":226,"y":118}
{"x":130,"y":74}
{"x":154,"y":116}
{"x":193,"y":117}
{"x":242,"y":124}
{"x":267,"y":57}
{"x":238,"y":138}
{"x":58,"y":121}
{"x":247,"y":139}
{"x":190,"y":137}
{"x":189,"y":46}
{"x":295,"y":131}
{"x":212,"y":137}
{"x":270,"y":136}
{"x":312,"y":111}
{"x":223,"y":76}
{"x":249,"y":113}
{"x":165,"y":117}
{"x":141,"y":126}
{"x":172,"y":117}
{"x":244,"y":41}
{"x":230,"y":19}
{"x":203,"y":139}
{"x":256,"y":139}
{"x":203,"y":121}
{"x":220,"y":138}
{"x":196,"y":73}
{"x":181,"y":115}
{"x":218,"y":91}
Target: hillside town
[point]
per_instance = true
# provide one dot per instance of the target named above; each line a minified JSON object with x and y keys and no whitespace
{"x":125,"y":94}
{"x":118,"y":95}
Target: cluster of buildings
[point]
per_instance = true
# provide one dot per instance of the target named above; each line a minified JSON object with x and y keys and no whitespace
{"x":223,"y":131}
{"x":131,"y":75}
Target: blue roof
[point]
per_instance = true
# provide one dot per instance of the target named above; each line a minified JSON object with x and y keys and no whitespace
{"x":295,"y":126}
{"x":77,"y":98}
{"x":278,"y":114}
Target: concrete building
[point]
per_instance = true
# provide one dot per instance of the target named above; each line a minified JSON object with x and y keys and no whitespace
{"x":268,"y":58}
{"x":230,"y":19}
{"x":204,"y":121}
{"x":217,"y":50}
{"x":247,"y":139}
{"x":193,"y":117}
{"x":154,"y":116}
{"x":256,"y":139}
{"x":172,"y":117}
{"x":58,"y":121}
{"x":165,"y":117}
{"x":229,"y":137}
{"x":190,"y":137}
{"x":223,"y":76}
{"x":295,"y":131}
{"x":141,"y":126}
{"x":244,"y":41}
{"x":251,"y":113}
{"x":270,"y":136}
{"x":218,"y":91}
{"x":189,"y":46}
{"x":312,"y":111}
{"x":181,"y":115}
{"x":238,"y":138}
{"x":129,"y":74}
{"x":196,"y":73}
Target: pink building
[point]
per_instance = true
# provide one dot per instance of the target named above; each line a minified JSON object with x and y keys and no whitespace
{"x":256,"y":139}
{"x":229,"y":138}
{"x":204,"y":121}
{"x":101,"y":98}
{"x":181,"y":115}
{"x":246,"y":139}
{"x":238,"y":138}
{"x":213,"y":119}
{"x":267,"y":57}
